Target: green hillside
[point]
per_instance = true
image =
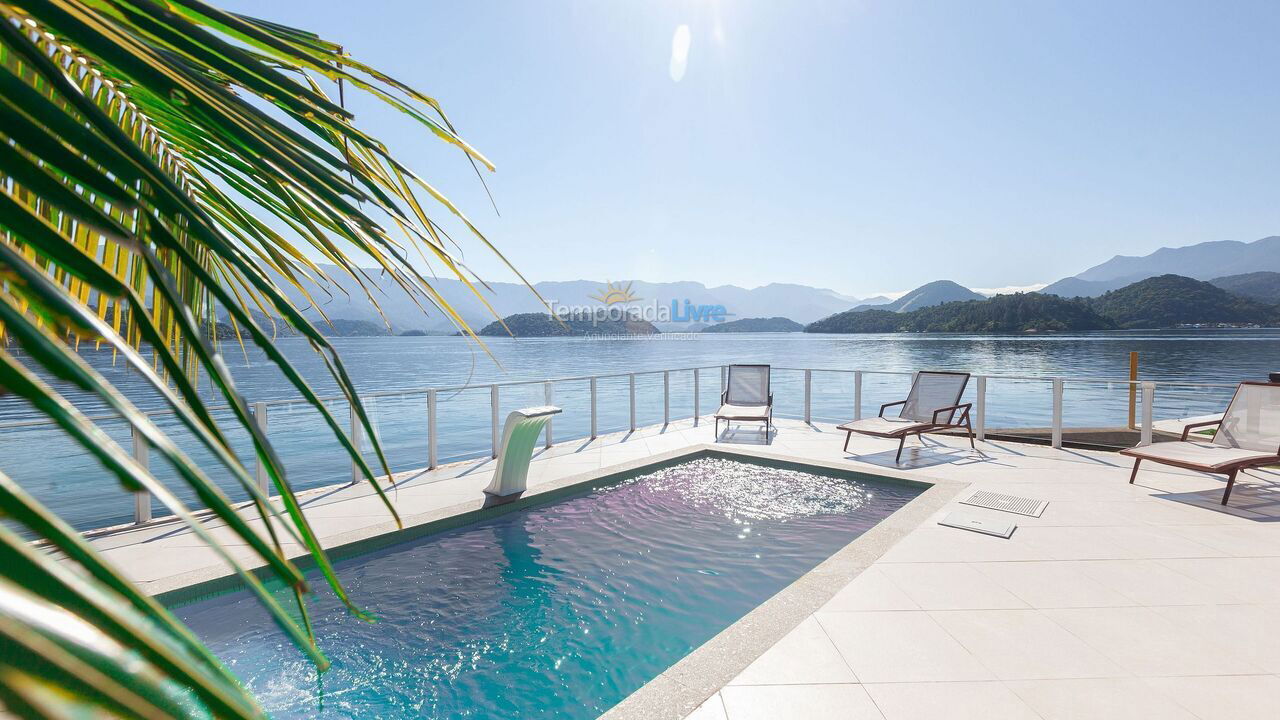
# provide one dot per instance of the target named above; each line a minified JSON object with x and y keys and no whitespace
{"x":1022,"y":312}
{"x":1171,"y":300}
{"x":1261,"y":286}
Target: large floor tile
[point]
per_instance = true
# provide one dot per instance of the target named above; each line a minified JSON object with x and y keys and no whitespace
{"x":1249,"y":579}
{"x":870,"y":590}
{"x":1228,"y":697}
{"x":900,"y":647}
{"x":1254,"y":540}
{"x":1148,"y":645}
{"x":941,"y":544}
{"x":1253,"y":631}
{"x":950,"y":700}
{"x":1024,"y":644}
{"x":804,"y":656}
{"x":799,"y":702}
{"x":1052,"y":584}
{"x":949,"y":586}
{"x":1127,"y":698}
{"x":1151,"y":582}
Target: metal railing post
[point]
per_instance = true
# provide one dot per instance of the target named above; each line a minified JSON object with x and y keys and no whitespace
{"x":1148,"y":410}
{"x":493,"y":418}
{"x":260,"y":470}
{"x":546,"y":394}
{"x":633,"y":401}
{"x":357,"y":441}
{"x":432,"y":459}
{"x":981,"y":429}
{"x":857,"y":394}
{"x":141,"y":500}
{"x":696,"y":399}
{"x":808,"y":397}
{"x":1133,"y":390}
{"x":593,"y":408}
{"x":666,"y":398}
{"x":1057,"y":413}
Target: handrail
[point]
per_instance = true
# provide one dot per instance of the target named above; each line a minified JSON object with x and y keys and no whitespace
{"x":425,"y":389}
{"x":1171,"y":389}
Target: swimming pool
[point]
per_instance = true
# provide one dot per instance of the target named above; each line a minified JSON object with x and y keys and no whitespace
{"x":557,"y":610}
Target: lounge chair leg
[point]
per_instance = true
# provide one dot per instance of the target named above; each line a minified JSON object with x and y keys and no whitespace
{"x":1134,"y":475}
{"x":847,"y":437}
{"x":1231,"y":481}
{"x":901,"y":441}
{"x":966,"y":424}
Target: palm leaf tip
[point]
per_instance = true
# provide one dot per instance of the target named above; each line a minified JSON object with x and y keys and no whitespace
{"x":164,"y":165}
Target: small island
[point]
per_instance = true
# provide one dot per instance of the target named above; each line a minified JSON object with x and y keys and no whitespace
{"x":755,"y":325}
{"x":544,"y":325}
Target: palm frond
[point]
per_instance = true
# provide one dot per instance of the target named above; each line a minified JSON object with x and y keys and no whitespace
{"x":150,"y":154}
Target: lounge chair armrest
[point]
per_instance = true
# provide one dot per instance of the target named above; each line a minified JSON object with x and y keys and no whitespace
{"x":1207,"y":423}
{"x":889,"y":405}
{"x":724,"y":397}
{"x":950,"y":408}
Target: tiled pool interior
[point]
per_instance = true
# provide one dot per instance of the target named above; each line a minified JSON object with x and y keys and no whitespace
{"x":556,"y":610}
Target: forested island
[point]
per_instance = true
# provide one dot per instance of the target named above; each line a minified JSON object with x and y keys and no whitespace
{"x":746,"y":325}
{"x":544,"y":325}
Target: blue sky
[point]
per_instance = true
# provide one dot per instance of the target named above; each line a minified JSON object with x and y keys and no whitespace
{"x":861,"y":146}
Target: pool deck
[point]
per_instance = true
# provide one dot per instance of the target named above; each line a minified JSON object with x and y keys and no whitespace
{"x":1134,"y":601}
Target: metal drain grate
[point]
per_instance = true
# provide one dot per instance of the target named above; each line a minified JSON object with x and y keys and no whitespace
{"x":1007,"y":503}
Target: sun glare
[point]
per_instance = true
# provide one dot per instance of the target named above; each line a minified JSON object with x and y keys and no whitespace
{"x":680,"y":52}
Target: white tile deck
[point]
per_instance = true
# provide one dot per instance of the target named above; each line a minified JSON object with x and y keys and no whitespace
{"x":1145,"y":600}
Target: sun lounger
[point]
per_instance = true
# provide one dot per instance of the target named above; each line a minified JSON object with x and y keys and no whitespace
{"x":746,"y":397}
{"x":1248,"y":436}
{"x":931,"y":406}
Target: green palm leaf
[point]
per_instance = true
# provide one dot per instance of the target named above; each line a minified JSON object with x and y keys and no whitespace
{"x":150,"y":154}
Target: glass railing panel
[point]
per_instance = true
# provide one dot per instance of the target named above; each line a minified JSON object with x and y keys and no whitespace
{"x":64,"y":478}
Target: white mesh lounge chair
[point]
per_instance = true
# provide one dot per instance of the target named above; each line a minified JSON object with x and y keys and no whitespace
{"x":931,"y":406}
{"x":746,"y":398}
{"x":1248,"y":436}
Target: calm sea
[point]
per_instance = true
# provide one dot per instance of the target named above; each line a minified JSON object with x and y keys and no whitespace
{"x":53,"y":469}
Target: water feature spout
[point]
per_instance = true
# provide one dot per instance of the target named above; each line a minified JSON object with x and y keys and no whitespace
{"x":519,"y":434}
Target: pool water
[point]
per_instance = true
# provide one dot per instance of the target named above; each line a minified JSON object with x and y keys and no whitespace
{"x":558,"y":610}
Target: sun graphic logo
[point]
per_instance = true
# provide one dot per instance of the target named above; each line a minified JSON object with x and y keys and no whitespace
{"x":612,"y":294}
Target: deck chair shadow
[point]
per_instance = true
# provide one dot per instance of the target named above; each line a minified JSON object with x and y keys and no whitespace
{"x":1248,"y":436}
{"x":746,"y":398}
{"x":931,"y":406}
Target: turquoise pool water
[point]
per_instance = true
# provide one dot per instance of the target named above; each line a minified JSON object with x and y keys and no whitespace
{"x":558,"y":610}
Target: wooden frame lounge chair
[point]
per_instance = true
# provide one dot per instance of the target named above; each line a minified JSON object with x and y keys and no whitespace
{"x":746,"y":397}
{"x":931,"y":406}
{"x":1248,"y":436}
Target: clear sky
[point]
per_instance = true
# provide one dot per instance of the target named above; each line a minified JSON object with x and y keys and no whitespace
{"x":861,"y":146}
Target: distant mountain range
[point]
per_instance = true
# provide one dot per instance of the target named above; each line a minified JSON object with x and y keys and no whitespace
{"x":1244,"y":269}
{"x":1157,"y":302}
{"x":1204,"y":261}
{"x":797,"y":302}
{"x":934,"y":293}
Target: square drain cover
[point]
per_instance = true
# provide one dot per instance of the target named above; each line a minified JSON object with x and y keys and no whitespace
{"x":1007,"y":503}
{"x":986,"y":526}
